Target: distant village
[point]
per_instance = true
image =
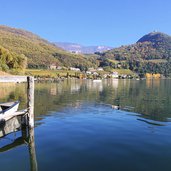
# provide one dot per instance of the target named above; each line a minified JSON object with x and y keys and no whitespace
{"x":90,"y":73}
{"x":99,"y":73}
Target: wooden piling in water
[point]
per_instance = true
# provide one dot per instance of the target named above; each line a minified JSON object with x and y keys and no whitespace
{"x":30,"y":101}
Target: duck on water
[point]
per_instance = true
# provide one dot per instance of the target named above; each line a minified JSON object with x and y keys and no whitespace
{"x":115,"y":107}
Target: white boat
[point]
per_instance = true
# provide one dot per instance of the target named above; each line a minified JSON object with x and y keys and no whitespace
{"x":8,"y":108}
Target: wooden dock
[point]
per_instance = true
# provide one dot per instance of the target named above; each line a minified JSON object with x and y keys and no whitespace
{"x":11,"y":123}
{"x":13,"y":79}
{"x":22,"y":120}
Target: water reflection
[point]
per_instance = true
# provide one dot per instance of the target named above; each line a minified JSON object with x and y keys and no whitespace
{"x":53,"y":90}
{"x":27,"y":139}
{"x":32,"y":150}
{"x":75,"y":87}
{"x":13,"y":92}
{"x":81,"y":127}
{"x":151,"y":123}
{"x":148,"y":97}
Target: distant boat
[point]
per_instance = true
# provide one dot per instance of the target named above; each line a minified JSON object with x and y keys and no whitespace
{"x":8,"y":108}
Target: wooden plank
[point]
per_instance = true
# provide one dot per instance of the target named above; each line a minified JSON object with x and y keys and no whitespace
{"x":7,"y":117}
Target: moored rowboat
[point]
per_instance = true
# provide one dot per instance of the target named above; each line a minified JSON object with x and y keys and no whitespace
{"x":8,"y":108}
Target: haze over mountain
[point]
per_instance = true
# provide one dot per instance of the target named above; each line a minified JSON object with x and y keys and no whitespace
{"x":78,"y":48}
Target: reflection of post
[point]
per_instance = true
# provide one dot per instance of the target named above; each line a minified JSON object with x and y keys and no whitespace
{"x":30,"y":103}
{"x":32,"y":151}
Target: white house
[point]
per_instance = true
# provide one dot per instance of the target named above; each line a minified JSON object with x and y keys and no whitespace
{"x":114,"y":75}
{"x":52,"y":66}
{"x":95,"y":73}
{"x":59,"y":68}
{"x":88,"y":72}
{"x":91,"y":69}
{"x":74,"y":69}
{"x":100,"y":69}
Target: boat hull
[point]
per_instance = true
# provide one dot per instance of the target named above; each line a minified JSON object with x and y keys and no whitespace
{"x":8,"y":108}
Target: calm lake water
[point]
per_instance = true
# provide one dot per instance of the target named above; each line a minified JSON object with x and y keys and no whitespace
{"x":77,"y":129}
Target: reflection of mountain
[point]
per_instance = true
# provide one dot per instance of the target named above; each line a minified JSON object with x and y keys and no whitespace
{"x":153,"y":100}
{"x":123,"y":92}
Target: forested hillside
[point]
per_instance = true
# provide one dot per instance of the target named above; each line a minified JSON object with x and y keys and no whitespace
{"x":9,"y":60}
{"x":39,"y":52}
{"x":20,"y":48}
{"x":152,"y":53}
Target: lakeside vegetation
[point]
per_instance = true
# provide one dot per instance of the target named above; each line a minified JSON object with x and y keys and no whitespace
{"x":50,"y":73}
{"x":12,"y":61}
{"x":56,"y":74}
{"x":20,"y":49}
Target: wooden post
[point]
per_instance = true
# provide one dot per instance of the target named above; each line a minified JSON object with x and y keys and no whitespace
{"x":30,"y":101}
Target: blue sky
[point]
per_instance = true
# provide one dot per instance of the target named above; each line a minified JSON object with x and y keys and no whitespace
{"x":88,"y":22}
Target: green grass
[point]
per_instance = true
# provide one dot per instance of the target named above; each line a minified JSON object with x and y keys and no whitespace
{"x":157,"y":60}
{"x":123,"y":71}
{"x":114,"y":61}
{"x":65,"y":73}
{"x":50,"y":73}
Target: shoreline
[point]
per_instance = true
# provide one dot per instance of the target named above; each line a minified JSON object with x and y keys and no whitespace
{"x":23,"y":79}
{"x":12,"y":79}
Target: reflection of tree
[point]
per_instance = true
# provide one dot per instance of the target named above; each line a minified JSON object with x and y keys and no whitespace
{"x":153,"y":100}
{"x":150,"y":101}
{"x":5,"y":89}
{"x":13,"y":92}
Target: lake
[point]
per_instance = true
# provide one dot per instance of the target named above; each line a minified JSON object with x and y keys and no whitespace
{"x":76,"y":129}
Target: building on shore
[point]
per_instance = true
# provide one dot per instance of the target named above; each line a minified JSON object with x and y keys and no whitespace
{"x":151,"y":75}
{"x":53,"y":66}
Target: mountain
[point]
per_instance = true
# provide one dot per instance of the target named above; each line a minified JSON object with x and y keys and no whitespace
{"x":39,"y":52}
{"x":160,"y":41}
{"x":156,"y":38}
{"x":77,"y":48}
{"x":151,"y":53}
